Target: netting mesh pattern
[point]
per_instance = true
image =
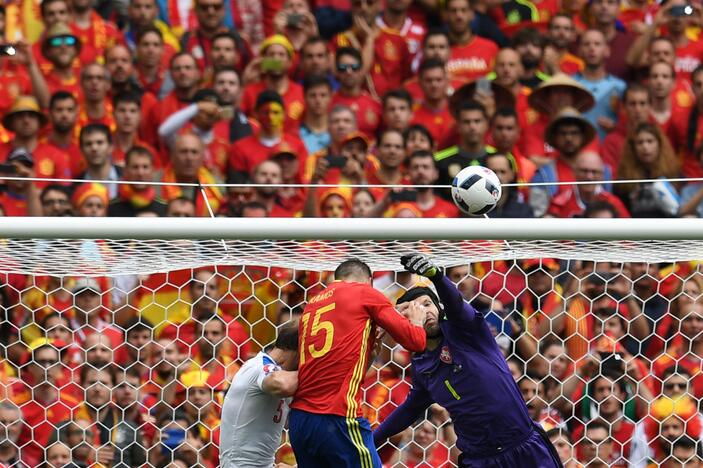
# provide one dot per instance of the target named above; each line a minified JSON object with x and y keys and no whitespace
{"x":120,"y":364}
{"x":86,"y":257}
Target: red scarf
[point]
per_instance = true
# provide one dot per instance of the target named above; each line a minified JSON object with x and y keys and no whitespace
{"x":214,"y":195}
{"x":139,"y":199}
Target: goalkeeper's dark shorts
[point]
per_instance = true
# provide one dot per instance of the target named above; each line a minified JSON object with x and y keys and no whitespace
{"x":536,"y":451}
{"x":324,"y":440}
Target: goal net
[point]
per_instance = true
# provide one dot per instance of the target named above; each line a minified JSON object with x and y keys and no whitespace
{"x":120,"y":338}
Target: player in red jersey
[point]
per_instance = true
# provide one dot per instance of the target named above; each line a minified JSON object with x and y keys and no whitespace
{"x":471,"y":56}
{"x":337,"y":332}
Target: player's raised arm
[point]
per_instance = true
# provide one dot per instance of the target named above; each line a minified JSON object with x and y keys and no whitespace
{"x":280,"y":383}
{"x":407,"y":330}
{"x":455,"y":307}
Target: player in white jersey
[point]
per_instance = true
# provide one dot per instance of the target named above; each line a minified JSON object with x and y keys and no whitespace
{"x":256,"y":406}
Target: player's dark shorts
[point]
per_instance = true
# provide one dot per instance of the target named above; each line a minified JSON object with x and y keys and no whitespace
{"x":324,"y":440}
{"x":536,"y":451}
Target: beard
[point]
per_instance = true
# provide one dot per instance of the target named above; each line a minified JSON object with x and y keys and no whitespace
{"x":529,"y":62}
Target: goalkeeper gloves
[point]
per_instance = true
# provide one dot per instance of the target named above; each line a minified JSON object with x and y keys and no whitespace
{"x":419,"y":264}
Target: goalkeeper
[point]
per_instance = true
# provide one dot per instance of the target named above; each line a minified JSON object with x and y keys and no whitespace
{"x":463,"y":370}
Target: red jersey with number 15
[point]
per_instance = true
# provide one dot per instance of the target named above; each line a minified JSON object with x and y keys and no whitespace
{"x":337,"y":332}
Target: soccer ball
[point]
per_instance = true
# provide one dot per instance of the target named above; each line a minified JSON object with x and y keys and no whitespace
{"x":476,"y":190}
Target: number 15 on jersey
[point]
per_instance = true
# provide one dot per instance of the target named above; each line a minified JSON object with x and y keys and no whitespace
{"x":319,"y":326}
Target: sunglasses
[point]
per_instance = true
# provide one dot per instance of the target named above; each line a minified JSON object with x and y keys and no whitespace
{"x":346,"y":67}
{"x":210,"y":6}
{"x":62,"y":40}
{"x":672,"y":385}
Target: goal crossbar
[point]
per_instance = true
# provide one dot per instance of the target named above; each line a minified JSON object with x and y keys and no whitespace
{"x":128,"y":246}
{"x":351,"y":228}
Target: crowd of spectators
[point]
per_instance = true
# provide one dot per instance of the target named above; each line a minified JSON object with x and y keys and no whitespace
{"x":130,"y":370}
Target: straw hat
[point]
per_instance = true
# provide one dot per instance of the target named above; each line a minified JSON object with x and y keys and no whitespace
{"x":583,"y":99}
{"x":24,"y":104}
{"x":502,"y":96}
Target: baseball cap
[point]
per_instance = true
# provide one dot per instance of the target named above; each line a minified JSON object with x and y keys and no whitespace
{"x":356,"y":136}
{"x":86,"y":284}
{"x":282,"y":150}
{"x":21,"y":155}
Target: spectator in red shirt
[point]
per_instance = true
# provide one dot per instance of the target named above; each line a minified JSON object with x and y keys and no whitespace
{"x":128,"y":117}
{"x":151,"y":74}
{"x":205,"y":295}
{"x":604,"y":15}
{"x":508,"y":71}
{"x":275,"y":63}
{"x":395,"y":18}
{"x":133,"y":199}
{"x":96,"y":147}
{"x":135,"y":352}
{"x":568,"y":134}
{"x":435,"y":45}
{"x":471,"y":56}
{"x":269,"y":173}
{"x":638,"y":109}
{"x":88,"y":313}
{"x":550,"y":98}
{"x":247,"y":153}
{"x":391,"y":160}
{"x":25,"y":119}
{"x":63,"y":115}
{"x":20,"y":197}
{"x":61,"y":47}
{"x":203,"y":118}
{"x":92,"y":29}
{"x":397,"y":107}
{"x":186,"y":78}
{"x":349,"y":73}
{"x":505,"y":133}
{"x":21,"y":75}
{"x":96,"y":107}
{"x":296,"y":22}
{"x":12,"y":425}
{"x":120,"y":66}
{"x":570,"y":203}
{"x":187,"y":164}
{"x":561,"y":35}
{"x":197,"y":41}
{"x":91,"y":200}
{"x":422,"y":171}
{"x":43,"y":400}
{"x":433,"y":110}
{"x":224,"y":53}
{"x":316,"y":59}
{"x":386,"y":58}
{"x":661,"y":86}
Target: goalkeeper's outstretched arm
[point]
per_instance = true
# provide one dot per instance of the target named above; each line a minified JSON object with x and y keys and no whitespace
{"x":415,"y":404}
